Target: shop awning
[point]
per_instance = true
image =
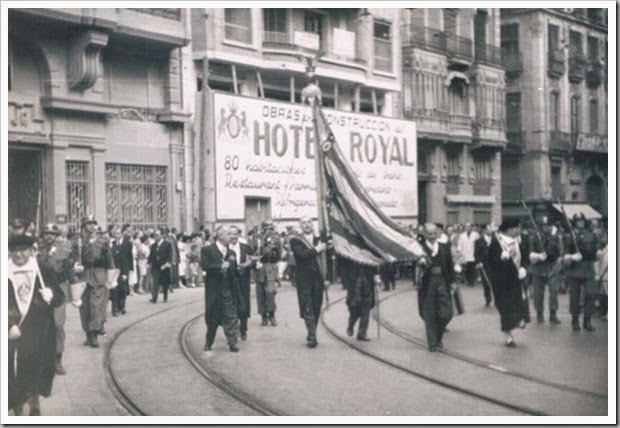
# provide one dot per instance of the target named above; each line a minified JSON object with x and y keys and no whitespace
{"x":572,"y":209}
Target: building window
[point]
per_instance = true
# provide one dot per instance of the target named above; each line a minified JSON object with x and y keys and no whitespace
{"x":313,"y":23}
{"x":238,"y":25}
{"x":136,"y":194}
{"x":453,"y":158}
{"x":78,"y":193}
{"x":593,"y":54}
{"x":482,"y":217}
{"x":575,"y":106}
{"x":513,"y":116}
{"x":593,"y":116}
{"x":450,"y":16}
{"x":452,"y":218}
{"x":557,"y":190}
{"x":509,"y":34}
{"x":482,"y":174}
{"x":553,"y":37}
{"x":275,"y":20}
{"x":555,"y":110}
{"x":576,"y":44}
{"x":595,"y":15}
{"x":383,"y":46}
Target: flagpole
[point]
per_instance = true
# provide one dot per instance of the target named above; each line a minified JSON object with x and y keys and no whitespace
{"x":312,"y":93}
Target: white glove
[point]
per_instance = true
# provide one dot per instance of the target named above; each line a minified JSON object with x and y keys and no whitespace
{"x":568,"y":258}
{"x":458,"y":268}
{"x":78,"y":268}
{"x":543,"y":257}
{"x":534,"y":257}
{"x":522,"y":273}
{"x":47,"y":295}
{"x":14,"y":332}
{"x":505,"y":255}
{"x":259,"y":265}
{"x":577,"y":257}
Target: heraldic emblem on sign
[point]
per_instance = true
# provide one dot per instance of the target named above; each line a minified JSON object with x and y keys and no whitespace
{"x":232,"y":122}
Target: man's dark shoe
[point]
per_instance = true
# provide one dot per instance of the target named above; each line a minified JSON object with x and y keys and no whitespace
{"x":312,"y":344}
{"x":35,"y":411}
{"x":123,"y":312}
{"x":440,"y":345}
{"x":511,"y":344}
{"x":114,"y":313}
{"x":153,"y":301}
{"x":553,"y":319}
{"x":207,"y":347}
{"x":93,"y":342}
{"x":273,"y":321}
{"x":350,"y":330}
{"x":363,"y":339}
{"x":433,"y":348}
{"x":540,"y":317}
{"x":60,"y":370}
{"x":233,"y":348}
{"x":264,"y":322}
{"x":587,"y":324}
{"x":244,"y":335}
{"x":576,"y":324}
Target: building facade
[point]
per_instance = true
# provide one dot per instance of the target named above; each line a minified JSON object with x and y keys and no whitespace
{"x":260,"y":54}
{"x":453,"y":88}
{"x":556,"y":108}
{"x":97,"y":122}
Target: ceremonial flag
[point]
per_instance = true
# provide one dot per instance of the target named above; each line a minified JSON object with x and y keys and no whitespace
{"x":361,"y":231}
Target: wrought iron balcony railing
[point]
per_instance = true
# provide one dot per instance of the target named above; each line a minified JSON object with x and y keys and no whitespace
{"x":489,"y":54}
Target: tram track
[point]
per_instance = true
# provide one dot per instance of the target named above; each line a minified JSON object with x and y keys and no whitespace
{"x":480,"y":363}
{"x":219,"y":382}
{"x":419,"y":342}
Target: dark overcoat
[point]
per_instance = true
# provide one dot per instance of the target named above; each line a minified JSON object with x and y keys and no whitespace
{"x":220,"y":287}
{"x":32,"y":372}
{"x":243,"y":297}
{"x":444,"y":255}
{"x":508,"y":290}
{"x":308,"y":276}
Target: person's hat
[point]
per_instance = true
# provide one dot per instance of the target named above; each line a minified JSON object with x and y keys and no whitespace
{"x":578,"y":216}
{"x":267,"y":224}
{"x":20,"y":241}
{"x":509,"y":223}
{"x":89,"y":219}
{"x":51,"y":229}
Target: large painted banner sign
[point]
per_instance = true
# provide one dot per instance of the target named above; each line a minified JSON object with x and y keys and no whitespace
{"x":266,"y":149}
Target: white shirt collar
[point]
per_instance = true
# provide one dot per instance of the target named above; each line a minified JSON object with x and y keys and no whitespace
{"x":434,"y":247}
{"x":223,"y":249}
{"x":237,"y":249}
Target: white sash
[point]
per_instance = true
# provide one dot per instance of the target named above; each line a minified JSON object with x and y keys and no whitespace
{"x":31,"y":270}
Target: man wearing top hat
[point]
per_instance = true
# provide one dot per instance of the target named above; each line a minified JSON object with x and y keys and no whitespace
{"x":579,"y":272}
{"x":93,"y":259}
{"x":55,"y":255}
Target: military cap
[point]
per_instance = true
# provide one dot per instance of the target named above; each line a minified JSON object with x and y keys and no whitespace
{"x":89,"y":219}
{"x":509,"y":223}
{"x":20,"y":241}
{"x":50,"y":228}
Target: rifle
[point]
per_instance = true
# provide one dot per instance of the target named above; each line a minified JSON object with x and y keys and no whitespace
{"x":570,"y":226}
{"x":531,"y":217}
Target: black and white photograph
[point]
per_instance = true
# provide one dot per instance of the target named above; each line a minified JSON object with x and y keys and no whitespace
{"x":395,"y":214}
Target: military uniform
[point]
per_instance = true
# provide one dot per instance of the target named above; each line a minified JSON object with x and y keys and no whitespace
{"x":358,"y":280}
{"x":579,"y":273}
{"x":56,"y":257}
{"x":267,"y":279}
{"x":96,"y":258}
{"x":544,"y":269}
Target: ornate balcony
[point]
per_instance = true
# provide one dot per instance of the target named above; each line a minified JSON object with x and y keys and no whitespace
{"x":512,"y":61}
{"x":577,"y":65}
{"x":483,"y":186}
{"x":489,"y":54}
{"x":594,"y":75}
{"x":556,"y":66}
{"x":424,"y":37}
{"x":559,"y":141}
{"x":460,"y":50}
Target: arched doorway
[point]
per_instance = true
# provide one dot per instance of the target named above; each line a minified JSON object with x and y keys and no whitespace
{"x":594,"y":192}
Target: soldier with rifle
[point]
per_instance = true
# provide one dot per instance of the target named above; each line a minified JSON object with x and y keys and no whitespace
{"x":545,"y":250}
{"x":581,"y":253}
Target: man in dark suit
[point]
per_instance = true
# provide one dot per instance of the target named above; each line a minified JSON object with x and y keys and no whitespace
{"x":306,"y":249}
{"x":123,"y":259}
{"x":243,"y":253}
{"x":160,"y":260}
{"x":481,"y":255}
{"x":221,"y":282}
{"x":434,"y":298}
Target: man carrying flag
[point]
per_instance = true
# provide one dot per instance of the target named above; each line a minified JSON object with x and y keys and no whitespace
{"x":359,"y":230}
